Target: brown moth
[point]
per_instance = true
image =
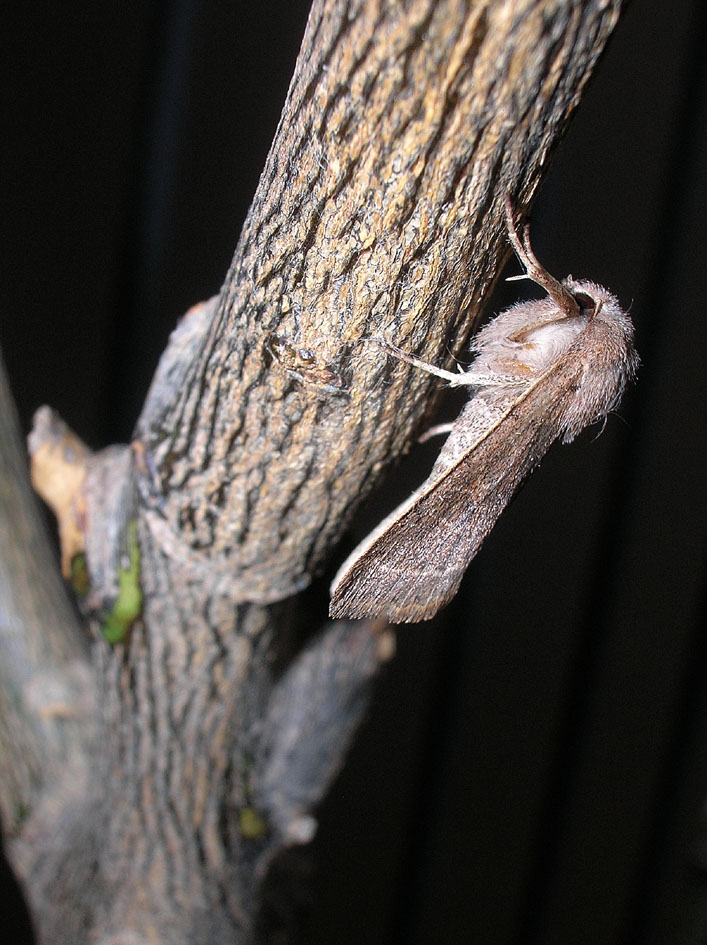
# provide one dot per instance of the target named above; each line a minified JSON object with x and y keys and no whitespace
{"x":543,"y":370}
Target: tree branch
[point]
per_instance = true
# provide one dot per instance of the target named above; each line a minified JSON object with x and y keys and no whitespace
{"x":379,"y":214}
{"x":46,"y":687}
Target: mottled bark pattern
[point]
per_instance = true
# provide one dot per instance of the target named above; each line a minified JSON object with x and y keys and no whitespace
{"x":379,"y":212}
{"x":172,"y":787}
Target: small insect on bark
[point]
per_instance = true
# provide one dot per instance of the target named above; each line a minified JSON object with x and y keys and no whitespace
{"x":302,"y":363}
{"x":543,"y":371}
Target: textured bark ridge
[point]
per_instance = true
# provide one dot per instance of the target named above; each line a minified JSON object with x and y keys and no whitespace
{"x":379,"y":213}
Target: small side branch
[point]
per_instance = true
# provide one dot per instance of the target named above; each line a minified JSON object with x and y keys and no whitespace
{"x":45,"y":683}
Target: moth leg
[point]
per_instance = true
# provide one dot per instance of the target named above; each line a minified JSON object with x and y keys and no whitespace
{"x":559,"y":293}
{"x":469,"y":378}
{"x":438,"y":430}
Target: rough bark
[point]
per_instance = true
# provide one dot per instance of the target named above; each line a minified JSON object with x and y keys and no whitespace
{"x":379,"y":213}
{"x":45,"y":680}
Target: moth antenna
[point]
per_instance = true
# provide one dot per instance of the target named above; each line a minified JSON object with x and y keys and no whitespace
{"x":561,"y":295}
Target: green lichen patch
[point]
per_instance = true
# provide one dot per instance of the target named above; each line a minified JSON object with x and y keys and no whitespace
{"x":116,"y":624}
{"x":80,"y":581}
{"x":251,"y":823}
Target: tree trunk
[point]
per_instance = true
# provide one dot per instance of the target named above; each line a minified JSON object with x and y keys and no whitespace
{"x":223,"y":712}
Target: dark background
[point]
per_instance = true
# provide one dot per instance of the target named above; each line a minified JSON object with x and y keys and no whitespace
{"x":534,"y":768}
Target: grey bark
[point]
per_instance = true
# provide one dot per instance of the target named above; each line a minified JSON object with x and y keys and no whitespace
{"x":46,"y":684}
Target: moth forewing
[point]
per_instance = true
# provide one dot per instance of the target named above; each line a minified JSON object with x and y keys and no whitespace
{"x":412,"y":564}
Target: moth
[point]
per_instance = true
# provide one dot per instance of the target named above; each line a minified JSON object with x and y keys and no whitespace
{"x":543,"y":371}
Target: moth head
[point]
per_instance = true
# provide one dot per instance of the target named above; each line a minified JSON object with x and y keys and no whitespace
{"x":607,"y":354}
